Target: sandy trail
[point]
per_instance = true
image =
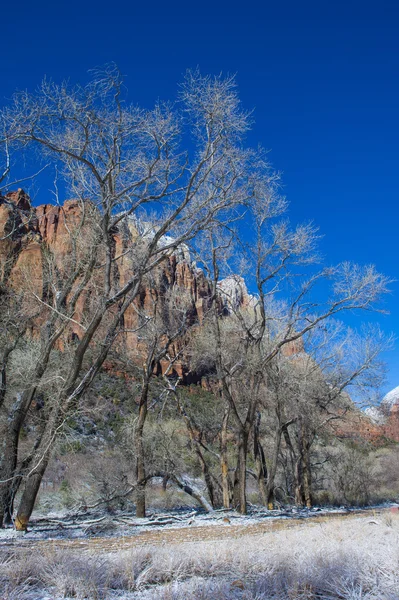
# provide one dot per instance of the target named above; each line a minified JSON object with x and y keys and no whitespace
{"x":180,"y":534}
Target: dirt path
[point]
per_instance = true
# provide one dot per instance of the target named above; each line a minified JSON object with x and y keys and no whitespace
{"x":185,"y":534}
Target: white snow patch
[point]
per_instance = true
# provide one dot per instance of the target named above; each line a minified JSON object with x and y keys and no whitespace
{"x":375,"y":415}
{"x":234,"y":293}
{"x":391,"y":398}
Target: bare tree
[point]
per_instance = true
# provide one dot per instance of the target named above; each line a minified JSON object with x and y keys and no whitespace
{"x":163,"y":321}
{"x":309,"y":392}
{"x":124,"y":159}
{"x":282,"y":312}
{"x":140,"y":197}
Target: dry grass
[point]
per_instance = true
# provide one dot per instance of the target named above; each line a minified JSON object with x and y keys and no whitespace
{"x":351,"y":559}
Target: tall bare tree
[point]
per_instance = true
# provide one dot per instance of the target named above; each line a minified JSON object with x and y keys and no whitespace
{"x":119,"y":160}
{"x":286,"y":307}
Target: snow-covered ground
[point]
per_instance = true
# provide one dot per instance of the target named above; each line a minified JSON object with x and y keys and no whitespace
{"x":354,"y":557}
{"x":57,"y":526}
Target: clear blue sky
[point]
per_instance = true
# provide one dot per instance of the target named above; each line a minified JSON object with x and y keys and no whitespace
{"x":321,"y":76}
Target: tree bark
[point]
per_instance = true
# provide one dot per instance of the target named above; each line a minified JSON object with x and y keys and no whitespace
{"x":30,"y":492}
{"x":260,"y":462}
{"x":140,"y":472}
{"x":9,"y":455}
{"x":224,"y":464}
{"x":240,"y":475}
{"x":298,"y":493}
{"x":306,"y":473}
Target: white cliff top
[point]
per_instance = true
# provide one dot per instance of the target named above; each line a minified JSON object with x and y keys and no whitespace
{"x":391,"y":398}
{"x":234,"y":292}
{"x":147,"y":230}
{"x":375,"y":415}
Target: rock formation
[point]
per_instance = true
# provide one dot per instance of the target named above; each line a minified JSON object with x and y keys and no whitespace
{"x":27,"y":233}
{"x":387,"y":415}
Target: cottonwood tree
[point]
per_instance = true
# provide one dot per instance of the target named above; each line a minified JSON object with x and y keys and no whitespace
{"x":348,"y":369}
{"x":119,"y":160}
{"x":163,"y":319}
{"x":54,"y":301}
{"x":13,"y":326}
{"x":307,"y":392}
{"x":283,"y":311}
{"x":141,"y":196}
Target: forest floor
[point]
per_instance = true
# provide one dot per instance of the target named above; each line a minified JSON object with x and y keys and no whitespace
{"x":108,"y":530}
{"x":352,"y":555}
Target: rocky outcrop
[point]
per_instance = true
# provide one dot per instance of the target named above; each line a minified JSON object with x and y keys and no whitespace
{"x":18,"y":233}
{"x":29,"y":235}
{"x":234,"y":294}
{"x":386,"y":416}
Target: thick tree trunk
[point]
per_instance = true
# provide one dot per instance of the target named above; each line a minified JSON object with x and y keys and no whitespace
{"x":240,"y":475}
{"x":3,"y":374}
{"x":9,"y":457}
{"x":298,"y":493}
{"x":260,"y":462}
{"x":140,"y":472}
{"x":7,"y":473}
{"x":270,"y":499}
{"x":261,"y":475}
{"x":224,"y":464}
{"x":306,"y":475}
{"x":30,"y":492}
{"x":9,"y":510}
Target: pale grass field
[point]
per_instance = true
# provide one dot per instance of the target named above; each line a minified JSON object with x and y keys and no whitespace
{"x":353,"y":558}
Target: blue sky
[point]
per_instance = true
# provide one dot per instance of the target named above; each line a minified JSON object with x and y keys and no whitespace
{"x":321,"y":76}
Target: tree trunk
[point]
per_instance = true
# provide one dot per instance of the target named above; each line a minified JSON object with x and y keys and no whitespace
{"x":30,"y":492}
{"x":9,"y":456}
{"x":273,"y":470}
{"x":303,"y":478}
{"x":139,"y":453}
{"x":9,"y":510}
{"x":240,"y":475}
{"x":260,"y":462}
{"x":224,"y":464}
{"x":7,"y":473}
{"x":306,"y":475}
{"x":298,"y":493}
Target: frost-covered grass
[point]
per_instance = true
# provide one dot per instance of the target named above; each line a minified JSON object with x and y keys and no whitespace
{"x":351,"y":559}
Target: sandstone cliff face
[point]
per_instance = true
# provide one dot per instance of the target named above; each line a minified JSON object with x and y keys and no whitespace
{"x":26,"y":231}
{"x":19,"y":237}
{"x":29,"y":235}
